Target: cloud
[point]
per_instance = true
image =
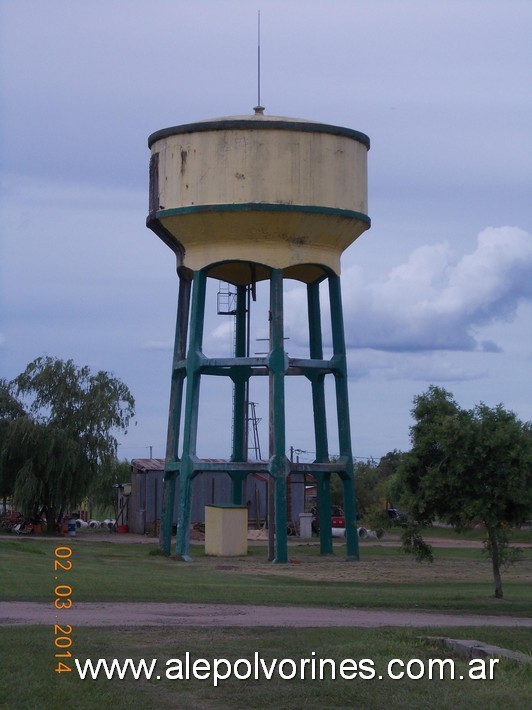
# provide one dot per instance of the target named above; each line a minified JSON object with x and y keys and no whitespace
{"x":223,"y":331}
{"x":434,"y":301}
{"x":421,"y":367}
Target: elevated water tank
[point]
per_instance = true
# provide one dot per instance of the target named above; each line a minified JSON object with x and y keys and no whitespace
{"x":279,"y":192}
{"x":243,"y":199}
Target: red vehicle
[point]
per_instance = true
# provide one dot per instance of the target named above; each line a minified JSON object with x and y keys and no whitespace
{"x":338,"y":525}
{"x":337,"y":520}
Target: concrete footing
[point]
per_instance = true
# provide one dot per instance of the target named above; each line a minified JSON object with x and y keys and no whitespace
{"x":477,"y":649}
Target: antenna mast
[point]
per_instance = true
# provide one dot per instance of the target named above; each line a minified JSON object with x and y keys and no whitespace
{"x":259,"y":108}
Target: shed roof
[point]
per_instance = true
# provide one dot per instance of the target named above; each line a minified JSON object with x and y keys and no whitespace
{"x":144,"y":465}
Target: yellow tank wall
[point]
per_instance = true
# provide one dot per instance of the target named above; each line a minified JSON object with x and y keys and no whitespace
{"x":272,"y":166}
{"x":277,"y":196}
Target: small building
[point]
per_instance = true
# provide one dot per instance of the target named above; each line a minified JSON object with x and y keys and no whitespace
{"x":145,"y":502}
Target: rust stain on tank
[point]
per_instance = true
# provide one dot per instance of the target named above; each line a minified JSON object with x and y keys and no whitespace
{"x":184,"y":156}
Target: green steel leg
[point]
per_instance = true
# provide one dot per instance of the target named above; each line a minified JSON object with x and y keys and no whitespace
{"x":165,"y":532}
{"x":317,"y":381}
{"x":240,"y":381}
{"x":237,"y":487}
{"x":183,"y":517}
{"x":320,"y":418}
{"x":281,"y":531}
{"x":174,"y":418}
{"x":240,"y":398}
{"x":278,"y":363}
{"x":348,"y":480}
{"x":323,"y":489}
{"x":190,"y":431}
{"x":342,"y":408}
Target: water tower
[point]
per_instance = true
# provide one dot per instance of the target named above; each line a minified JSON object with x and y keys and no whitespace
{"x":246,"y":199}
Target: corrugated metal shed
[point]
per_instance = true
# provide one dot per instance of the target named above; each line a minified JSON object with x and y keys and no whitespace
{"x":207,"y":488}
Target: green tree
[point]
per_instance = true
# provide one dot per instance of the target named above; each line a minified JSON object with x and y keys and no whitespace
{"x":101,"y":492}
{"x":366,"y":480}
{"x":65,"y":436}
{"x":372,"y":482}
{"x":10,"y":410}
{"x":465,"y":467}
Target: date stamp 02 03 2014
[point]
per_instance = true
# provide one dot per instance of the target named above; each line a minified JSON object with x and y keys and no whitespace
{"x":62,"y":601}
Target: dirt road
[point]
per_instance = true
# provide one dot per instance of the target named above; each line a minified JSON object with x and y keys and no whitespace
{"x":164,"y":614}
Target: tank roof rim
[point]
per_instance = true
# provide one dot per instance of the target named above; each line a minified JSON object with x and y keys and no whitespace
{"x":256,"y":118}
{"x":259,"y":122}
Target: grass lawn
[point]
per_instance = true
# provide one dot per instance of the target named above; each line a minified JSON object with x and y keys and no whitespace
{"x":459,"y":580}
{"x":28,"y":679}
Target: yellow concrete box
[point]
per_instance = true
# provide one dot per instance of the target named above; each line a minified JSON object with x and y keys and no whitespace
{"x":226,"y":530}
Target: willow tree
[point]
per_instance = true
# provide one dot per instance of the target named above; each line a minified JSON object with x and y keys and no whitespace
{"x":467,"y":467}
{"x":10,"y":410}
{"x":66,"y":434}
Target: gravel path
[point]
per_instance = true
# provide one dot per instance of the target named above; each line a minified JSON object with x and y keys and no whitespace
{"x":158,"y":614}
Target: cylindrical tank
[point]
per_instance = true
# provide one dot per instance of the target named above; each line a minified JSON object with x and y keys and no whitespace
{"x":276,"y":192}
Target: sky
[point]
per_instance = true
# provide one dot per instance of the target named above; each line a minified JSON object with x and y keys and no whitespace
{"x":438,"y":291}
